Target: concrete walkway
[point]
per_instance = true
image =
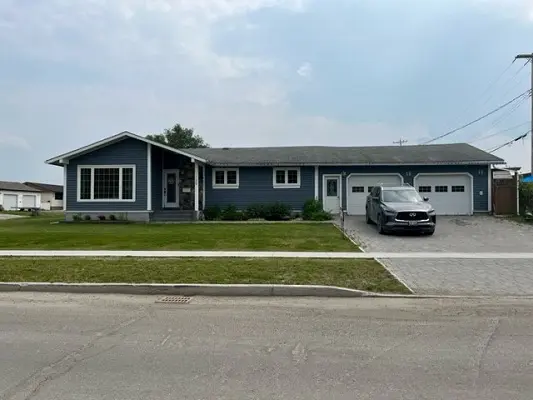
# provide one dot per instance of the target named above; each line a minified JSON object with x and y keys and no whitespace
{"x":10,"y":216}
{"x":261,"y":254}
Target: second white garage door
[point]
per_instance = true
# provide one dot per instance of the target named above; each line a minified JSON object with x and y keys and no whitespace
{"x":29,"y":200}
{"x":449,"y":194}
{"x":358,"y":187}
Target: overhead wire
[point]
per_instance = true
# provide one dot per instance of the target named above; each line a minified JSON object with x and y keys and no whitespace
{"x":509,"y":112}
{"x":526,"y":94}
{"x":499,"y":132}
{"x":519,"y":82}
{"x":507,"y":82}
{"x":523,"y":136}
{"x":489,"y":87}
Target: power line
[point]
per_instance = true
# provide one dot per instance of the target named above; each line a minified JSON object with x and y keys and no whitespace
{"x":506,"y":114}
{"x":506,"y":83}
{"x":489,"y":88}
{"x":509,"y":112}
{"x":510,"y":142}
{"x":478,"y":119}
{"x":499,"y":132}
{"x":519,"y":82}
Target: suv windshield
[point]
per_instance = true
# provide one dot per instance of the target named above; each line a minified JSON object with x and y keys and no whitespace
{"x":401,"y":196}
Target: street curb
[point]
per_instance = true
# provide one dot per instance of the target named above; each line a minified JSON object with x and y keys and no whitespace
{"x":214,"y":290}
{"x":186,"y":289}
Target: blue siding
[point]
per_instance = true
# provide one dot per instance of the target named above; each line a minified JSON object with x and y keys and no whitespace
{"x":479,"y":172}
{"x":255,"y":187}
{"x":128,"y":151}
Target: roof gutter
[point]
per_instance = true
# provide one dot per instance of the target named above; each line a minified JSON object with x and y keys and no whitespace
{"x":300,"y":164}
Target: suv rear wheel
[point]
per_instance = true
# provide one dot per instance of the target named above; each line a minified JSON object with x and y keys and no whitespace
{"x":379,"y":224}
{"x":368,"y":219}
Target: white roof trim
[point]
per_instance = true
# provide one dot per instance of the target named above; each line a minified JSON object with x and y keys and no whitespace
{"x":121,"y":135}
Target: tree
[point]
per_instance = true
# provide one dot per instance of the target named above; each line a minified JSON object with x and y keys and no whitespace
{"x":179,"y":138}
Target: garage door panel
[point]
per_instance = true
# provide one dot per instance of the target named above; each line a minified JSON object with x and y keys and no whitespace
{"x":448,"y":194}
{"x":29,"y":200}
{"x":358,"y":187}
{"x":10,"y":201}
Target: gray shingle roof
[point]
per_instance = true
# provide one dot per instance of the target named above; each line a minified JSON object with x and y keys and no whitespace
{"x":444,"y":154}
{"x":45,"y":187}
{"x":16,"y":187}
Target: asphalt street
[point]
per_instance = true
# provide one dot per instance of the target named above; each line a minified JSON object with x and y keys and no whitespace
{"x":59,"y":346}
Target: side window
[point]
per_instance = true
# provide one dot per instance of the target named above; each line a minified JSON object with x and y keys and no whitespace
{"x":377,"y":192}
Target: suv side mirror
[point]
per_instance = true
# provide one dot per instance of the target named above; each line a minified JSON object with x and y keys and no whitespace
{"x":426,"y":198}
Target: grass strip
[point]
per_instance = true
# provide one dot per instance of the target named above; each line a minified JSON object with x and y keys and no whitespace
{"x":355,"y":274}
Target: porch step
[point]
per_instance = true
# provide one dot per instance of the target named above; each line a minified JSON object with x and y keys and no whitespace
{"x":173,"y":215}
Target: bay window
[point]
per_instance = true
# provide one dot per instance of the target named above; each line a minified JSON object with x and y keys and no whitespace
{"x":106,"y":183}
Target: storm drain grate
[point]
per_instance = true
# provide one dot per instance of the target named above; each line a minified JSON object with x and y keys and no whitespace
{"x":174,"y":300}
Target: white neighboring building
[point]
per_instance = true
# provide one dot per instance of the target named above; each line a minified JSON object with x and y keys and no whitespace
{"x":16,"y":196}
{"x":51,"y":195}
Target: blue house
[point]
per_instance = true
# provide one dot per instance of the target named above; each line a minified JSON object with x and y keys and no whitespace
{"x":131,"y":176}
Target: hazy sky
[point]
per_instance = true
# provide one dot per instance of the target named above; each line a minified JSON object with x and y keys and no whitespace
{"x":257,"y":72}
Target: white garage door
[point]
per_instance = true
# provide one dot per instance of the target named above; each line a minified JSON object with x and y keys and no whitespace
{"x":359,"y":186}
{"x":29,"y":200}
{"x":448,"y":194}
{"x":10,"y":202}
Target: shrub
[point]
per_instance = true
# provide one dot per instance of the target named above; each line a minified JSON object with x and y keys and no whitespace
{"x":212,"y":213}
{"x":1,"y":208}
{"x":112,"y":217}
{"x":277,"y":212}
{"x":311,"y":207}
{"x":321,"y":216}
{"x":76,"y":217}
{"x":101,"y":217}
{"x":256,"y":211}
{"x":525,"y":191}
{"x":87,"y":218}
{"x":230,"y":213}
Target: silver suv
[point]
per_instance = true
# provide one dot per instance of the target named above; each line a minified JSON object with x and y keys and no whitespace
{"x":400,"y":208}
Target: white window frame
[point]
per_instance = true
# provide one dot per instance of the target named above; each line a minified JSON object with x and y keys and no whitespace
{"x":121,"y":169}
{"x":225,"y":185}
{"x":286,"y":185}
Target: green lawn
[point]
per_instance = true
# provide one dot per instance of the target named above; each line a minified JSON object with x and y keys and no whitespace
{"x":42,"y":233}
{"x":355,"y":274}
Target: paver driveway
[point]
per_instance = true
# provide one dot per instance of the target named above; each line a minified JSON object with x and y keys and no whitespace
{"x":456,"y":276}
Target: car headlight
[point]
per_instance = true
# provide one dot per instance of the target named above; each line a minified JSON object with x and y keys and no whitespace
{"x":388,"y":210}
{"x":432,"y":211}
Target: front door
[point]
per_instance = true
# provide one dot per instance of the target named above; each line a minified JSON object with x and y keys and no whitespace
{"x":332,"y":192}
{"x":170,"y":188}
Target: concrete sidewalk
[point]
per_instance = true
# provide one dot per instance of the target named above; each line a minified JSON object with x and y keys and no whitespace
{"x":259,"y":254}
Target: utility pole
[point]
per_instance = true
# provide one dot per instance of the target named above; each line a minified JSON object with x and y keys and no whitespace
{"x":530,"y":58}
{"x":400,"y":142}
